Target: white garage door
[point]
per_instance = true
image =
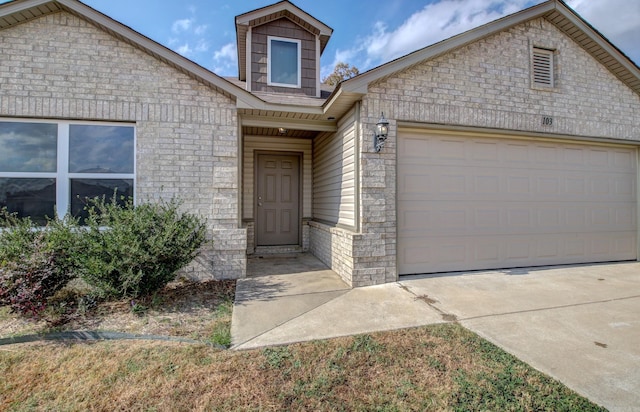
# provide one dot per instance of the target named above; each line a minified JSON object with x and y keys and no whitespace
{"x":468,"y":202}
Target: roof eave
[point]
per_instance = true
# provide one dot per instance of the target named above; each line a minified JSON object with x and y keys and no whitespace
{"x":629,"y":73}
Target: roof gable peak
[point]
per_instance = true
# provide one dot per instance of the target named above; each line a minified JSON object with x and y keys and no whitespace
{"x":555,"y":11}
{"x":281,"y":9}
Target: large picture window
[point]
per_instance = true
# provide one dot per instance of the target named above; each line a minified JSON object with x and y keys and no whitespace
{"x":54,"y":167}
{"x":283,"y":67}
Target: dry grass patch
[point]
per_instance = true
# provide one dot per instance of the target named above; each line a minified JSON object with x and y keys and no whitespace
{"x":196,"y":310}
{"x":435,"y":368}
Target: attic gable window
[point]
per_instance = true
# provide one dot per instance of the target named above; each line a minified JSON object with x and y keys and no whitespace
{"x":542,"y":68}
{"x":283,"y":62}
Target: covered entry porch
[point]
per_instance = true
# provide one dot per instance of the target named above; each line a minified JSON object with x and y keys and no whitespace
{"x":298,"y":186}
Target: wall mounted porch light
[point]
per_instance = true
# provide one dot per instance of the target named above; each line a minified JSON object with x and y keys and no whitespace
{"x":380,"y":135}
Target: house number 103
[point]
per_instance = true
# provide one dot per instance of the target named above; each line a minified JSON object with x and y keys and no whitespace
{"x":547,"y":120}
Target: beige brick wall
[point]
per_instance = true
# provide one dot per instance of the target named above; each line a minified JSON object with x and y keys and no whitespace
{"x":62,"y":67}
{"x":334,"y":247}
{"x":486,"y":85}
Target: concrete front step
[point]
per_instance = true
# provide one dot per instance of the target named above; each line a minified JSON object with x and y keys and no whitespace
{"x":277,"y":250}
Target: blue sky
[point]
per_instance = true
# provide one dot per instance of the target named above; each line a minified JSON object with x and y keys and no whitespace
{"x":366,"y":34}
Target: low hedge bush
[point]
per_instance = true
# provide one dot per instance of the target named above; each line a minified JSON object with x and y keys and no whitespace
{"x":121,"y":251}
{"x":35,"y":263}
{"x":133,"y":251}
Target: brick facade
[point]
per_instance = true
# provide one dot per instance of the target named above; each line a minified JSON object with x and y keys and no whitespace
{"x":486,"y":84}
{"x":61,"y":67}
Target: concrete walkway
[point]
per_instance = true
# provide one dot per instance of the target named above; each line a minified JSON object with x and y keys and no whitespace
{"x":578,"y":324}
{"x":295,"y":299}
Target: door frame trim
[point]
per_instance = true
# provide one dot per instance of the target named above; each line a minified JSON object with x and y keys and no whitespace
{"x":300,"y":155}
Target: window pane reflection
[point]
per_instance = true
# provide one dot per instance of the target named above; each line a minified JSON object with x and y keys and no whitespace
{"x":100,"y":149}
{"x":284,"y":62}
{"x":84,"y":189}
{"x":35,"y":198}
{"x":28,"y":147}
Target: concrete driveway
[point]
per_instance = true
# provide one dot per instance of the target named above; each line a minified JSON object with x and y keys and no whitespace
{"x":578,"y":324}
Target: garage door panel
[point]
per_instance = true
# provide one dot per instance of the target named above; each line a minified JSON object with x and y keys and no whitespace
{"x":623,"y":160}
{"x":472,"y":183}
{"x":486,"y":218}
{"x":467,"y":253}
{"x":625,"y":185}
{"x":533,"y":203}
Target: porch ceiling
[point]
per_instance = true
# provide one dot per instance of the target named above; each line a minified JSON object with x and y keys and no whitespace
{"x":271,"y":131}
{"x":288,"y":120}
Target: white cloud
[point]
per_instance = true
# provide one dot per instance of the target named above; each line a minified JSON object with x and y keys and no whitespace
{"x":184,"y":50}
{"x":226,"y":59}
{"x":434,"y":22}
{"x":202,"y":46}
{"x":181,"y":25}
{"x":200,"y":30}
{"x":189,"y":39}
{"x":617,"y":20}
{"x":228,"y":51}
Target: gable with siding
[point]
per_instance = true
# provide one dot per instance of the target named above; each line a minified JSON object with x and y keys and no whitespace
{"x":284,"y":28}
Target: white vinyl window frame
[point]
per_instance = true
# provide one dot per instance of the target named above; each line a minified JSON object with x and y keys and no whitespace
{"x":62,"y":175}
{"x":270,"y":72}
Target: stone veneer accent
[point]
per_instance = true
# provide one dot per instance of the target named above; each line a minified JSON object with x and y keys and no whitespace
{"x":333,"y":246}
{"x":356,"y":257}
{"x":61,"y":67}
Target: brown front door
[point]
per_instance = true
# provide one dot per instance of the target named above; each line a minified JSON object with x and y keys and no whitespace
{"x":277,"y":200}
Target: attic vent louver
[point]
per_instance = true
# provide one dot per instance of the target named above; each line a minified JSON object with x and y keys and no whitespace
{"x":543,"y":67}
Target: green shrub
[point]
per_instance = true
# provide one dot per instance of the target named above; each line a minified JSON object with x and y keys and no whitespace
{"x":17,"y":237}
{"x":133,"y":251}
{"x":35,"y":262}
{"x":64,"y":237}
{"x":122,"y":252}
{"x":28,"y":282}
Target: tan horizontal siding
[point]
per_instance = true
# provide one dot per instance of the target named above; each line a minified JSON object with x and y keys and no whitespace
{"x":334,"y":189}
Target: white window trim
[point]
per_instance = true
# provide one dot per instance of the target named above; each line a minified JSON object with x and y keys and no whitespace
{"x":299,"y":48}
{"x":62,"y":175}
